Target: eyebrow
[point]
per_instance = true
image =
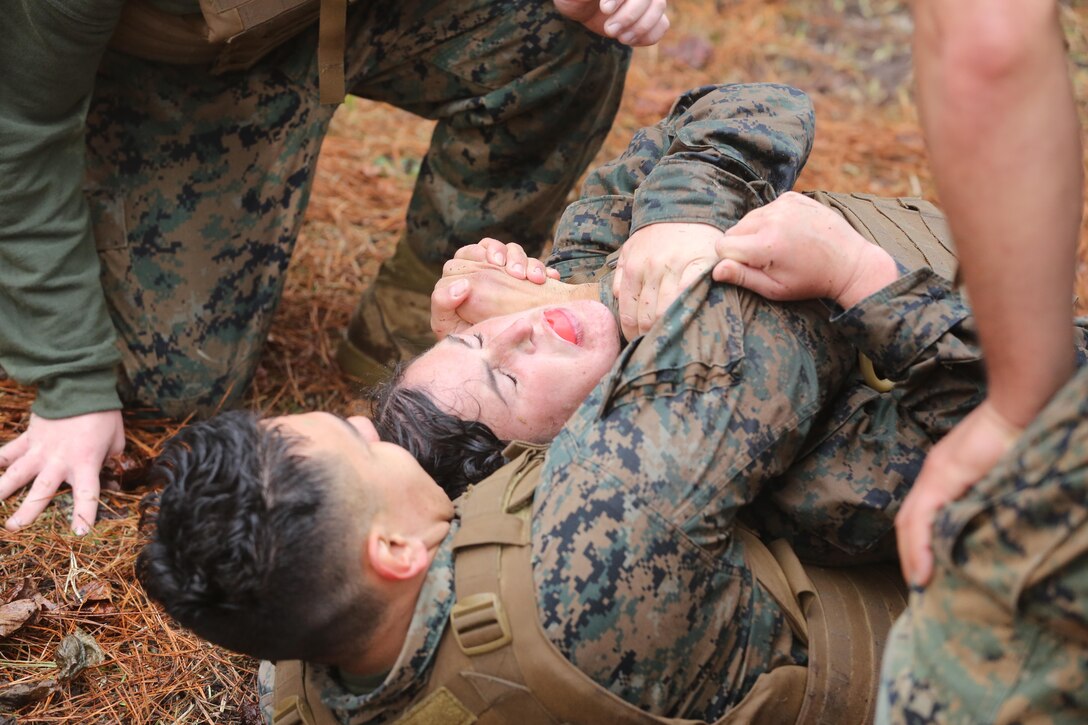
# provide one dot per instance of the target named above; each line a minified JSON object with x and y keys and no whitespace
{"x":491,"y":381}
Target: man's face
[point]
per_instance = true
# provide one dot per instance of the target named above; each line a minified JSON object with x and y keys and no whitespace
{"x":386,"y":475}
{"x":522,"y":374}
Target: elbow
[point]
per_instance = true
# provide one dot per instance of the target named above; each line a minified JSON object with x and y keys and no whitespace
{"x":987,"y":42}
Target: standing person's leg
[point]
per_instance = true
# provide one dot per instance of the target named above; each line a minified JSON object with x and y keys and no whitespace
{"x":1000,"y":634}
{"x":523,"y":98}
{"x":197,"y":185}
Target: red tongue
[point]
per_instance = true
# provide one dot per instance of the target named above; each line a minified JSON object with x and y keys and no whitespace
{"x":559,"y":322}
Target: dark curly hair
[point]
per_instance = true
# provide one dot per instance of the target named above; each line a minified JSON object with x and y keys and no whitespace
{"x":455,"y":452}
{"x":246,"y":547}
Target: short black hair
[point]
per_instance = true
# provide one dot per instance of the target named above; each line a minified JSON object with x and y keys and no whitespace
{"x":243,"y":545}
{"x":455,"y":452}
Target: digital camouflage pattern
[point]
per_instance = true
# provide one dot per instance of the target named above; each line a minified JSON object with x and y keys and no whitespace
{"x":198,"y":183}
{"x":719,"y":153}
{"x":403,"y":682}
{"x":743,"y":145}
{"x":641,"y":582}
{"x":1000,"y":635}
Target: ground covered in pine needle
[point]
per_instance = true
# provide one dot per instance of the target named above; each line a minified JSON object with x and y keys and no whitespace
{"x":79,"y":641}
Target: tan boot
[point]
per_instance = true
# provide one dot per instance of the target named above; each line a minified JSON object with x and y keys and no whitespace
{"x":392,"y":322}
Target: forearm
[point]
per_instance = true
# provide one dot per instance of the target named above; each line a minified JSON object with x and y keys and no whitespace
{"x":721,"y":152}
{"x":1002,"y":129}
{"x":54,"y":327}
{"x":733,"y":150}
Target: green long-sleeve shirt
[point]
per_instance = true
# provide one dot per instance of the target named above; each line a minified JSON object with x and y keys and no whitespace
{"x":55,"y":331}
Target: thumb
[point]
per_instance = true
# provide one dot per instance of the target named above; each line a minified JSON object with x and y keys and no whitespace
{"x":740,"y":275}
{"x":743,"y":248}
{"x":447,"y":297}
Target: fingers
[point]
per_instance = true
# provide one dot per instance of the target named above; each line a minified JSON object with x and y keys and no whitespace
{"x":13,"y":451}
{"x":914,"y":534}
{"x":635,"y":22}
{"x":517,"y":260}
{"x":510,"y":256}
{"x":647,"y":306}
{"x":749,"y":278}
{"x":39,"y":496}
{"x":536,"y":271}
{"x":476,"y":252}
{"x":748,"y":249}
{"x":85,"y":488}
{"x":447,"y":297}
{"x":627,"y":288}
{"x":19,"y":473}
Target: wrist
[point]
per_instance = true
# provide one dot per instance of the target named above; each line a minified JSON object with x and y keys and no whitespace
{"x":875,"y":270}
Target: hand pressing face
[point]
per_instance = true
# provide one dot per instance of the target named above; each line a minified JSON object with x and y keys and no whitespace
{"x":522,"y":374}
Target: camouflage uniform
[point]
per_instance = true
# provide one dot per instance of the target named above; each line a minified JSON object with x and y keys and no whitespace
{"x":721,"y":152}
{"x":1000,"y":635}
{"x":640,"y":579}
{"x":197,"y":183}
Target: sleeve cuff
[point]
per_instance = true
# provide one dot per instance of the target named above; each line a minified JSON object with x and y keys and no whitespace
{"x":65,"y":397}
{"x":681,"y":190}
{"x":894,"y":326}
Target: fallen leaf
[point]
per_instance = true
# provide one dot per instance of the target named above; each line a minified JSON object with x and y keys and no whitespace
{"x":98,"y":590}
{"x":14,"y":615}
{"x":24,"y":589}
{"x":75,"y":653}
{"x":46,"y":604}
{"x":20,"y":695}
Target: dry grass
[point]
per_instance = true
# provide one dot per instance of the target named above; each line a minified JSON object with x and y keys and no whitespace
{"x":852,"y":56}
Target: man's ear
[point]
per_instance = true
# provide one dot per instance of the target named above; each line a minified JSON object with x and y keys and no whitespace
{"x":396,"y":557}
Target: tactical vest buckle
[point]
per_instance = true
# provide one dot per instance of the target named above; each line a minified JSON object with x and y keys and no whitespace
{"x":293,"y":710}
{"x":479,"y":624}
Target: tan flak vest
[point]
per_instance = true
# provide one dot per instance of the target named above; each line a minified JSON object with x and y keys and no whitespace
{"x":232,"y":35}
{"x":495,"y":665}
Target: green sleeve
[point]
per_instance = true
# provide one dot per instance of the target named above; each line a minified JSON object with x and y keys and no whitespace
{"x":55,"y":330}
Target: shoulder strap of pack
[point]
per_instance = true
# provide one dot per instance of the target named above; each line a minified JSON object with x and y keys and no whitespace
{"x":294,"y":702}
{"x":912,"y":230}
{"x":495,"y":658}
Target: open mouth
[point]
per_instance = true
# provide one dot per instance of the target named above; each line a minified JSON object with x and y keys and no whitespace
{"x":562,"y":324}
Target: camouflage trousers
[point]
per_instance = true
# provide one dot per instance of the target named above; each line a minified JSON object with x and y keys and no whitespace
{"x":198,"y":183}
{"x":1001,"y":633}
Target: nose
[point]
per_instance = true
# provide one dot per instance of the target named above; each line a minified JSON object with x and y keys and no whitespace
{"x":365,"y":427}
{"x":517,"y":337}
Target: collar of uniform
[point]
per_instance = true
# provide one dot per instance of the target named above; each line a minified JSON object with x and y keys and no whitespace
{"x":410,"y":671}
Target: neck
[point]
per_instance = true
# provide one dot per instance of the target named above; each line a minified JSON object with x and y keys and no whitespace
{"x":382,"y":651}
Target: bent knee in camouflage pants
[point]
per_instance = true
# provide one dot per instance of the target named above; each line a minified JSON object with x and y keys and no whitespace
{"x":198,"y":183}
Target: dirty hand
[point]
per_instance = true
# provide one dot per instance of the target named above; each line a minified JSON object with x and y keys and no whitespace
{"x":797,"y":249}
{"x":508,"y":255}
{"x":954,"y":464}
{"x":655,"y":265}
{"x":632,"y":22}
{"x":50,"y":452}
{"x":472,"y":291}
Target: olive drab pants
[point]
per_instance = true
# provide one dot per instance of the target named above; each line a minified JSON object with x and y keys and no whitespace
{"x":198,"y":183}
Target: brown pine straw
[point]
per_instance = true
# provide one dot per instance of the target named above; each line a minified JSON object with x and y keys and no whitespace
{"x":851,"y":56}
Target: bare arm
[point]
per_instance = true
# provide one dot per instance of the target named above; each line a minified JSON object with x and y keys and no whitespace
{"x":997,"y":107}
